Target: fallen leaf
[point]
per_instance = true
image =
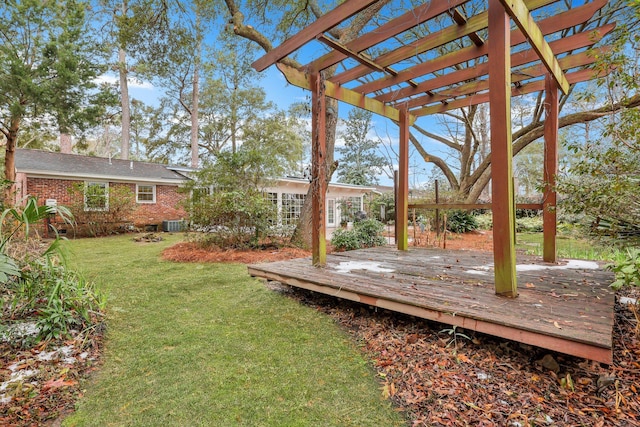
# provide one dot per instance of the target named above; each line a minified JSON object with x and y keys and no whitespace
{"x":556,"y":325}
{"x":530,"y":285}
{"x":60,"y":382}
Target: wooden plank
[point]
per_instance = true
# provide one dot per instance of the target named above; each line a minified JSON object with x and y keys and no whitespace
{"x":413,"y":18}
{"x":318,"y":171}
{"x":549,"y":25}
{"x":586,"y":319}
{"x":567,"y":62}
{"x":402,"y":212}
{"x":522,"y":17}
{"x":575,"y":77}
{"x":517,"y":76}
{"x":300,"y":79}
{"x":469,"y":206}
{"x":504,"y":253}
{"x":322,"y":24}
{"x":549,"y":220}
{"x":432,"y":41}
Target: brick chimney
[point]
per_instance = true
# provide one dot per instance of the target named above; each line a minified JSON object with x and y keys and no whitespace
{"x":65,"y":143}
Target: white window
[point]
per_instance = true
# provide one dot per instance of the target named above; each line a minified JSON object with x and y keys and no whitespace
{"x":145,"y":193}
{"x":96,"y":196}
{"x":291,"y":207}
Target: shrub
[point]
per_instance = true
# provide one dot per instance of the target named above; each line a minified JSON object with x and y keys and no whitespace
{"x":529,"y":224}
{"x":365,"y":234}
{"x":237,"y":219}
{"x":485,"y":221}
{"x":103,"y":222}
{"x":460,"y":221}
{"x":626,"y":269}
{"x":35,"y":280}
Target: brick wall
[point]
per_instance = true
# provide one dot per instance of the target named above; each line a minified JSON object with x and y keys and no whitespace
{"x":166,"y":207}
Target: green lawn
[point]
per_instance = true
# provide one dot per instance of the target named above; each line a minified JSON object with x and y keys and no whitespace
{"x":568,"y":247}
{"x":205,"y":344}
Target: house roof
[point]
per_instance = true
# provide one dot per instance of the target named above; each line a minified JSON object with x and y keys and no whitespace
{"x":75,"y":166}
{"x":334,"y":185}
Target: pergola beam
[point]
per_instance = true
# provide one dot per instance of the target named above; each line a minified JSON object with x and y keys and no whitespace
{"x":413,"y":18}
{"x":504,"y":253}
{"x":560,"y":46}
{"x":549,"y":219}
{"x":364,"y":60}
{"x":522,"y":17}
{"x":432,"y":41}
{"x":402,"y":204}
{"x":547,"y":26}
{"x":517,"y":76}
{"x":536,"y":86}
{"x":322,"y":24}
{"x":302,"y":80}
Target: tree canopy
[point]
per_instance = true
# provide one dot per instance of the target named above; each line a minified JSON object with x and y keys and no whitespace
{"x":48,"y":68}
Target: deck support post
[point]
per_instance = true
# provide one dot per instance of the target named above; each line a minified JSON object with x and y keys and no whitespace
{"x":501,"y":151}
{"x":402,"y":210}
{"x":318,"y":171}
{"x":549,"y":219}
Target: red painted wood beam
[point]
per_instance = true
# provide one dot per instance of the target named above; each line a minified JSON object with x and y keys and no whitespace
{"x":548,"y":26}
{"x":318,"y":171}
{"x":549,"y":219}
{"x":413,"y":18}
{"x":324,"y":23}
{"x":402,"y":211}
{"x":536,"y":86}
{"x":432,"y":41}
{"x":504,"y":253}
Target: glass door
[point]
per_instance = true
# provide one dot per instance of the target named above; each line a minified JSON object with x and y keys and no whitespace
{"x":331,"y":212}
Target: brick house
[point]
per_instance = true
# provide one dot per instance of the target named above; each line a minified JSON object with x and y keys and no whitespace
{"x":84,"y":181}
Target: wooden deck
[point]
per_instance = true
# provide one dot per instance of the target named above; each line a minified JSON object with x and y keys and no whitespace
{"x":569,"y":310}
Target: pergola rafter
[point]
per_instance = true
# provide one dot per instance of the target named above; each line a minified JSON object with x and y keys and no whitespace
{"x":414,"y":80}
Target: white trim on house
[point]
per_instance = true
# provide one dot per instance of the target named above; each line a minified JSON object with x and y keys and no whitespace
{"x":153,"y":194}
{"x":67,"y":176}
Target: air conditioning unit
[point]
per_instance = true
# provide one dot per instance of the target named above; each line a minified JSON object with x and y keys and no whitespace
{"x":174,"y":225}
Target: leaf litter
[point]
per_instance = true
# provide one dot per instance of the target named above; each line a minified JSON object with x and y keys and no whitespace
{"x":484,"y":380}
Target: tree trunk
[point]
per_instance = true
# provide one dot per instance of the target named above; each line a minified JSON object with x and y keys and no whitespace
{"x":302,"y":234}
{"x":195,"y":129}
{"x":66,"y":146}
{"x":124,"y":100}
{"x":10,"y":161}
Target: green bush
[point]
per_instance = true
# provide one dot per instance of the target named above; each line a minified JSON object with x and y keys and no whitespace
{"x":461,"y":221}
{"x":365,"y":234}
{"x":484,"y":221}
{"x":236,"y":219}
{"x":97,"y":222}
{"x":626,"y":269}
{"x":36,"y":284}
{"x":529,"y":224}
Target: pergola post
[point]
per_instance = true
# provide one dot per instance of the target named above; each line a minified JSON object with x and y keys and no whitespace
{"x":318,"y":171}
{"x":501,"y":153}
{"x":549,"y":220}
{"x":402,"y":210}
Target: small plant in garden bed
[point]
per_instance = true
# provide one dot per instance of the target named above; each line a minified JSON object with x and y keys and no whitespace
{"x":45,"y":305}
{"x":461,"y":221}
{"x":365,"y":234}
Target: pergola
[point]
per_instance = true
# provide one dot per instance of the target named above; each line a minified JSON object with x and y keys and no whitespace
{"x":411,"y":81}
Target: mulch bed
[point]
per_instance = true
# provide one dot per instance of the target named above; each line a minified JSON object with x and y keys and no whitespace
{"x":479,"y":380}
{"x":192,"y":252}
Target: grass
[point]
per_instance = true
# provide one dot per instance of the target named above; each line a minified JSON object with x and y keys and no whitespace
{"x":205,"y":344}
{"x":568,"y":247}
